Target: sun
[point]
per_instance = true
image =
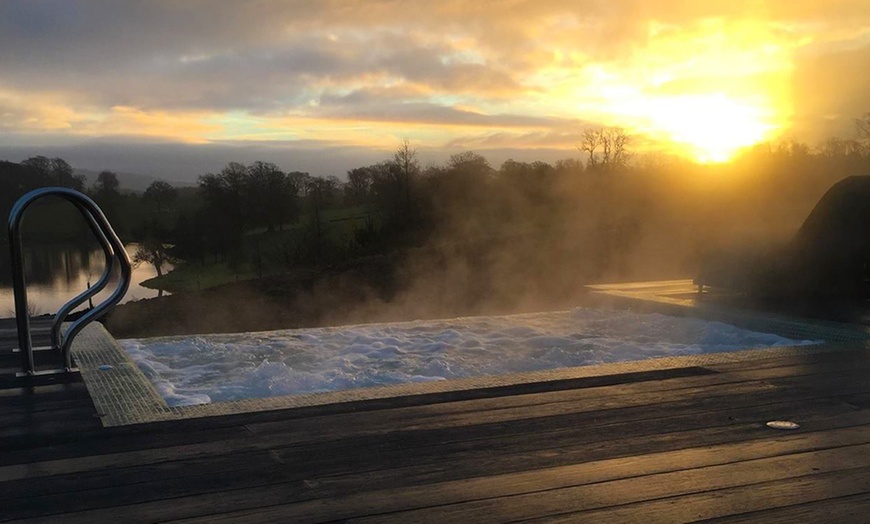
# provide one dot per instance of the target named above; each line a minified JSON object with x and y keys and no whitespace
{"x":711,"y":128}
{"x":703,"y":91}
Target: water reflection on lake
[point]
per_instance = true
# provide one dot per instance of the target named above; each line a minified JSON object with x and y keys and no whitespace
{"x":57,"y":273}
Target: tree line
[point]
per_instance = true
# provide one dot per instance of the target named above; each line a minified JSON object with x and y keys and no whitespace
{"x":604,"y":212}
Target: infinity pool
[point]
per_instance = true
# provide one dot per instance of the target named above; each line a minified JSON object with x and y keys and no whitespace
{"x":192,"y":370}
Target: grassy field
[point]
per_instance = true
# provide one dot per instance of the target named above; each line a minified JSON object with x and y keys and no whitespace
{"x":265,"y":252}
{"x":194,"y":277}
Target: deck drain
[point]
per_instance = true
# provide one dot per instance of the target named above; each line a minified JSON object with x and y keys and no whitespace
{"x":783,"y":424}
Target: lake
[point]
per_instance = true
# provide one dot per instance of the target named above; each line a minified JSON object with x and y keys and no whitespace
{"x":56,"y":273}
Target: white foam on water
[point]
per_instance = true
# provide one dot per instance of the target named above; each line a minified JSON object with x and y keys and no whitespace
{"x":200,"y":369}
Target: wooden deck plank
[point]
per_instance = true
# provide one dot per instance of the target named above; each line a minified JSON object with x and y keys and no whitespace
{"x":730,"y":501}
{"x":488,"y":503}
{"x":532,"y":480}
{"x":403,"y":413}
{"x":38,"y":416}
{"x":403,"y":469}
{"x":596,"y":426}
{"x":194,"y":472}
{"x":48,"y":408}
{"x":167,"y":509}
{"x":24,"y":395}
{"x":137,"y":512}
{"x":99,"y":448}
{"x":854,"y":508}
{"x":185,"y":493}
{"x":527,"y":426}
{"x":10,"y":381}
{"x":856,"y":354}
{"x":661,"y":445}
{"x":592,"y":412}
{"x":81,"y":424}
{"x":472,"y":463}
{"x":77,"y":481}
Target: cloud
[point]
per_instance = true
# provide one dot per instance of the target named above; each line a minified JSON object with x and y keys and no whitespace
{"x":24,"y":113}
{"x":445,"y":73}
{"x":831,"y":88}
{"x":364,"y":105}
{"x":160,"y":55}
{"x":185,"y":162}
{"x":562,"y":140}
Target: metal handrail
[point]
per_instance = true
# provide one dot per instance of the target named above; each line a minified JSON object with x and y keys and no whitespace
{"x":114,"y":250}
{"x":66,"y":309}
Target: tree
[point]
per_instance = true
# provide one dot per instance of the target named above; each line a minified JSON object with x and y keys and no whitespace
{"x":469,"y":163}
{"x":460,"y":189}
{"x":388,"y":192}
{"x":321,"y":191}
{"x":56,"y":171}
{"x":257,"y":192}
{"x":271,"y":195}
{"x":568,"y":165}
{"x":359,"y":184}
{"x":862,"y":126}
{"x":154,"y":252}
{"x":283,"y":201}
{"x":298,"y":183}
{"x":159,"y":197}
{"x":405,"y":159}
{"x":157,"y":201}
{"x":107,"y":185}
{"x":590,"y":142}
{"x":838,"y":148}
{"x":605,"y":148}
{"x":106,"y":189}
{"x":226,"y":207}
{"x":106,"y":192}
{"x":225,"y":196}
{"x":532,"y":180}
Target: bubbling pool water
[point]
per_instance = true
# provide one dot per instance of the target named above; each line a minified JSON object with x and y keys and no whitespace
{"x":214,"y":368}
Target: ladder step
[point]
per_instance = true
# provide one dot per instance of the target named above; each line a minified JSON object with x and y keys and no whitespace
{"x":37,"y":348}
{"x":46,"y":372}
{"x":39,"y":378}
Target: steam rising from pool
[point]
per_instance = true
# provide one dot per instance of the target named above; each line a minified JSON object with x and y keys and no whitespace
{"x":214,"y":368}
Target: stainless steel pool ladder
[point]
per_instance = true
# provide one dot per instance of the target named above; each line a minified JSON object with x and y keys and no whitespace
{"x":115,"y":254}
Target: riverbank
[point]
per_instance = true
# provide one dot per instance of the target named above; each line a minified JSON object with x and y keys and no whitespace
{"x":288,"y":300}
{"x":370,"y":289}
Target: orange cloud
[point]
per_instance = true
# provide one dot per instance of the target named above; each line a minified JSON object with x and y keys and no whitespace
{"x":183,"y":127}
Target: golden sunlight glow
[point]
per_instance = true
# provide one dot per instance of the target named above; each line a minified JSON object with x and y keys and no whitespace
{"x":703,"y":91}
{"x":710,"y":128}
{"x":30,"y":112}
{"x":36,"y":113}
{"x":182,"y":126}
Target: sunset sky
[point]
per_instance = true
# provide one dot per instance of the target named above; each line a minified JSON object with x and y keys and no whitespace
{"x":179,"y":87}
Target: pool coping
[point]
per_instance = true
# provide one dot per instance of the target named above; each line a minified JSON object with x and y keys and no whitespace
{"x":681,"y":298}
{"x":123,"y":395}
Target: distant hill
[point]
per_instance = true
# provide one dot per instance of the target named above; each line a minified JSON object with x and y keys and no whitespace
{"x":131,"y":181}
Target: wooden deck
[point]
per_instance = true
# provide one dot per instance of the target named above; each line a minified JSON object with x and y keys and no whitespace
{"x":672,"y":445}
